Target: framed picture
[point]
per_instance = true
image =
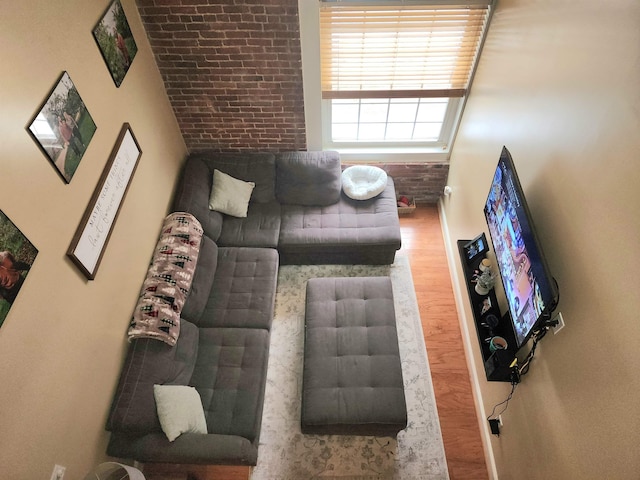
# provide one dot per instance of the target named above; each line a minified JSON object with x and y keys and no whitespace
{"x":116,"y":42}
{"x":92,"y":235}
{"x":63,"y":127}
{"x":476,"y":248}
{"x":17,"y":254}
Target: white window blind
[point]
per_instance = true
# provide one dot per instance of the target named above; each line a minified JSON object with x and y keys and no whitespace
{"x":406,"y":51}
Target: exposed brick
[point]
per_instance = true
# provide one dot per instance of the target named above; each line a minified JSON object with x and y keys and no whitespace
{"x":232,"y":71}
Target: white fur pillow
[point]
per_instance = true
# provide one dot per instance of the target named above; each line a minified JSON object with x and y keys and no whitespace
{"x":362,"y":182}
{"x":230,"y":195}
{"x":179,"y":410}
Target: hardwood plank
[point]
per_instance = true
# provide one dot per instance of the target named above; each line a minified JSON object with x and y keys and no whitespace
{"x":422,"y":242}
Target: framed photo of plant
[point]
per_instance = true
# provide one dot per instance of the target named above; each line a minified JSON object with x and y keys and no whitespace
{"x":116,"y":42}
{"x":17,"y":254}
{"x":63,"y":127}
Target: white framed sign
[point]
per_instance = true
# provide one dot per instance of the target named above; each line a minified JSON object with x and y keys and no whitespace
{"x":89,"y":242}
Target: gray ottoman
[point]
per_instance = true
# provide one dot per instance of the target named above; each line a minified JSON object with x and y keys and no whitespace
{"x":352,"y":381}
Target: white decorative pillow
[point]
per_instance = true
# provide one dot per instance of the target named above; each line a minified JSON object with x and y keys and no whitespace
{"x":362,"y":182}
{"x":230,"y":195}
{"x":179,"y":410}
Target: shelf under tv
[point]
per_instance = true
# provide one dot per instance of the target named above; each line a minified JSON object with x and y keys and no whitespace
{"x":498,"y":364}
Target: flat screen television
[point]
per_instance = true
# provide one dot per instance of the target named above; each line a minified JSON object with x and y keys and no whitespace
{"x":531,"y":290}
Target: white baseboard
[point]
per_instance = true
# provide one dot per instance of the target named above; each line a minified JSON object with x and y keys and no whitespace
{"x":468,"y":340}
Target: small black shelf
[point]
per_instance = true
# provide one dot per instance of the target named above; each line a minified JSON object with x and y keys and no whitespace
{"x":497,"y":365}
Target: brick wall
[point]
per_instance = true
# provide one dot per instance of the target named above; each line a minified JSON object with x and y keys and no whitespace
{"x":232,"y":70}
{"x":424,"y":182}
{"x":233,"y":73}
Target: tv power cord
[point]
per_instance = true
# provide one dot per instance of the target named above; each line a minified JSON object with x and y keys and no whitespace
{"x":494,"y":418}
{"x":537,"y":336}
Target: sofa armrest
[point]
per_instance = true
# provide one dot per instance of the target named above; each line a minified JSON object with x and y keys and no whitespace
{"x":188,"y":448}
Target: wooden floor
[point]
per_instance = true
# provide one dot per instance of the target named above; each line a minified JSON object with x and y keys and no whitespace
{"x":422,"y":242}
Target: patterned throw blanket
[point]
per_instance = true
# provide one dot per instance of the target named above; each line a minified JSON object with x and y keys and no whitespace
{"x":165,"y":289}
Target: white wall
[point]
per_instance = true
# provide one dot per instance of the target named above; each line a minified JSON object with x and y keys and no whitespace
{"x":558,"y":84}
{"x":62,"y":344}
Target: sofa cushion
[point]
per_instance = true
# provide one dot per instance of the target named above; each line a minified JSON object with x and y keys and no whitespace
{"x":350,"y":231}
{"x":260,"y":228}
{"x":230,"y":376}
{"x":256,"y":167}
{"x":243,"y":291}
{"x":149,"y":362}
{"x":230,"y":195}
{"x":179,"y":410}
{"x":192,"y":195}
{"x":202,"y":281}
{"x":308,"y":178}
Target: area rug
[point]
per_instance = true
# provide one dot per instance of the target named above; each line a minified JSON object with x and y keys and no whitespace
{"x":286,"y":454}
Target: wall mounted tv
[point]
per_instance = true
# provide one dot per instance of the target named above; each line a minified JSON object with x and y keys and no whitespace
{"x":531,"y":290}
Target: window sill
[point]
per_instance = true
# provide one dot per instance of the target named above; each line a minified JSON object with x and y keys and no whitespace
{"x":393,"y":155}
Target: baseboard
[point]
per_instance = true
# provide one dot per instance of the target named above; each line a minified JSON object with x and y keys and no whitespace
{"x":467,"y":339}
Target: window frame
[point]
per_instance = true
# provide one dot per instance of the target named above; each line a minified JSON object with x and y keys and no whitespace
{"x":318,"y":110}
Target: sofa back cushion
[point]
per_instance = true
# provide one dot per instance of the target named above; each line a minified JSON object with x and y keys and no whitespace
{"x":150,"y":362}
{"x":192,"y":195}
{"x":308,"y":178}
{"x":256,"y":167}
{"x":202,"y":281}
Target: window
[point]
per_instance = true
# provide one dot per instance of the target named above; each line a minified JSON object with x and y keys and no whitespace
{"x":394,"y":75}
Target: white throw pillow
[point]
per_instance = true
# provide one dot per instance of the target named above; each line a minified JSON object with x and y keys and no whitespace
{"x":179,"y":410}
{"x":362,"y":182}
{"x":230,"y":195}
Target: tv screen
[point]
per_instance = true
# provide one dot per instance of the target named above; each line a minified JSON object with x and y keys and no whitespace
{"x":531,"y":291}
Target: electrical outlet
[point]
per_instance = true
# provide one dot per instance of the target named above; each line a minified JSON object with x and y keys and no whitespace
{"x":500,"y":420}
{"x":58,"y":472}
{"x":560,"y":324}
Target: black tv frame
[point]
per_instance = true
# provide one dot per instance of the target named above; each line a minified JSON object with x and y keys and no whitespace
{"x":539,"y":265}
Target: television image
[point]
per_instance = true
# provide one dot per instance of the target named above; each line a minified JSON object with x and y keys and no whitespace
{"x":531,"y":290}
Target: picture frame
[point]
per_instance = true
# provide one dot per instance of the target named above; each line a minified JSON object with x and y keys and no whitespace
{"x":476,"y":248}
{"x":17,"y":255}
{"x":63,"y":127}
{"x":91,"y":238}
{"x":115,"y":41}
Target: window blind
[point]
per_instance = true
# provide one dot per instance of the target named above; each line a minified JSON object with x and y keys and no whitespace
{"x":398,"y":51}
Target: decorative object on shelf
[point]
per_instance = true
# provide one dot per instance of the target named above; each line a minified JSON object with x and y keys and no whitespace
{"x":63,"y":127}
{"x":484,"y":281}
{"x":116,"y":42}
{"x":485,"y":306}
{"x":92,"y":235}
{"x":485,"y":265}
{"x":491,"y":322}
{"x":476,"y":248}
{"x":497,"y":343}
{"x":17,"y":254}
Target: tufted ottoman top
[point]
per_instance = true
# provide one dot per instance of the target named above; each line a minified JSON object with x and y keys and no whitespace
{"x":352,"y":381}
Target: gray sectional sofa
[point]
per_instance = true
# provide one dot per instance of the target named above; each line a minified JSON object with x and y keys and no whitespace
{"x":298,"y":214}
